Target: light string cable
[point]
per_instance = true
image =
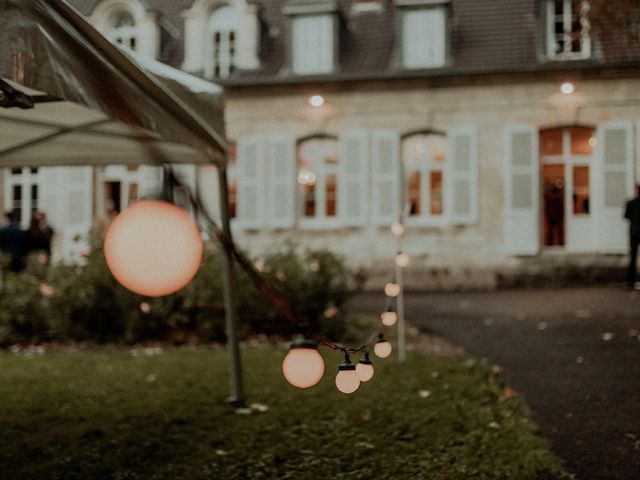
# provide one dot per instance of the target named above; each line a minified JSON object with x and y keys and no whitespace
{"x":277,"y":299}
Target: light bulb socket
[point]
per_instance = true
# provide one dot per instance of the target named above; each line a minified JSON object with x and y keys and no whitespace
{"x":346,"y":364}
{"x":302,"y":341}
{"x":365,"y":360}
{"x":381,"y":338}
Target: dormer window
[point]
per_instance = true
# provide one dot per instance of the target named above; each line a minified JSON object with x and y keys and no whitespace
{"x":312,"y":44}
{"x":313,"y":36}
{"x":423,"y":35}
{"x":568,"y":29}
{"x":221,"y":45}
{"x":123,"y":29}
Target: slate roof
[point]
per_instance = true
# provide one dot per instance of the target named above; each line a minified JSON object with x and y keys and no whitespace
{"x":485,"y":37}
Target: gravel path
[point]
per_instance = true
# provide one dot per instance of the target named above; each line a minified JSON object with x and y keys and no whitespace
{"x":573,"y":353}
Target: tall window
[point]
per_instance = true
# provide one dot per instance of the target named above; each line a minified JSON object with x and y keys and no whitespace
{"x":22,"y":192}
{"x":423,"y":38}
{"x":318,"y":165}
{"x":568,"y":29}
{"x":312,"y":43}
{"x":566,"y":155}
{"x":424,"y":166}
{"x":221,"y":43}
{"x":122,"y":29}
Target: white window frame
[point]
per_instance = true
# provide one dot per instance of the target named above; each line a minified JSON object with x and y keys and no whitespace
{"x":26,"y":179}
{"x":223,"y":54}
{"x":426,"y":218}
{"x":567,"y":21}
{"x":416,"y":60}
{"x":307,"y":57}
{"x":320,"y":220}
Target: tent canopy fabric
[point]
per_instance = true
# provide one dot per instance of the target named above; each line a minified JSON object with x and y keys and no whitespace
{"x":93,"y":103}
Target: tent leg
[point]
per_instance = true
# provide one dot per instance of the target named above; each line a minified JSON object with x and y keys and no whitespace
{"x":228,"y":280}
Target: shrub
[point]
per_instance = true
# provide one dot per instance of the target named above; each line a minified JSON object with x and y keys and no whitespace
{"x":85,"y":303}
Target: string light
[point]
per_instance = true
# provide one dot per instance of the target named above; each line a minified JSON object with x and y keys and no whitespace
{"x":389,"y":317}
{"x":347,"y":379}
{"x":382,"y":348}
{"x":397,"y":229}
{"x":303,"y":365}
{"x":153,"y":248}
{"x":364,"y":368}
{"x":402,"y":259}
{"x":391,"y":289}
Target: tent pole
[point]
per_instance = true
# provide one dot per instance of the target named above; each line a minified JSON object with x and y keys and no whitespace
{"x":228,"y":280}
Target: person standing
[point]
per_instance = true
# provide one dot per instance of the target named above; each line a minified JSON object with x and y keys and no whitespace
{"x":15,"y":242}
{"x":40,"y":235}
{"x":632,"y":213}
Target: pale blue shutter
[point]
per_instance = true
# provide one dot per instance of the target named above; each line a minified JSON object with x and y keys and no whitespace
{"x":385,"y":177}
{"x":614,"y":172}
{"x":462,"y":176}
{"x":251,"y":170}
{"x":353,"y":191}
{"x":522,"y":190}
{"x":282,"y":182}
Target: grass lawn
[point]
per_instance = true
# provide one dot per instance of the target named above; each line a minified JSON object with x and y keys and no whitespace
{"x":109,"y":414}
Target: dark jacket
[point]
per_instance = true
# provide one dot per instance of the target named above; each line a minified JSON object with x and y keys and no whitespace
{"x":15,"y":242}
{"x":632,"y":213}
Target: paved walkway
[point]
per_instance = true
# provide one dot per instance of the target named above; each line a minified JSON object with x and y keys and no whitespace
{"x":574,"y":354}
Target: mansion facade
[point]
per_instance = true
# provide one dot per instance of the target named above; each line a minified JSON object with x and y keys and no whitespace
{"x":506,"y":133}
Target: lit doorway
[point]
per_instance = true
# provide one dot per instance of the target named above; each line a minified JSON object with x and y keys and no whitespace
{"x":566,"y":160}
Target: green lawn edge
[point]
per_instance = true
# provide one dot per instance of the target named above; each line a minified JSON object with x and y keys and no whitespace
{"x":114,"y":413}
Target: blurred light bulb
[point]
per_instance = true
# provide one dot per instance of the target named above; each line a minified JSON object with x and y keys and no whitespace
{"x":593,"y":141}
{"x":382,"y":348}
{"x":402,"y":259}
{"x":389,"y":317}
{"x":364,"y":368}
{"x":307,"y":177}
{"x":347,"y":379}
{"x":391,"y":289}
{"x":397,"y":229}
{"x":567,"y":88}
{"x":303,"y":365}
{"x":316,"y":101}
{"x":153,"y":248}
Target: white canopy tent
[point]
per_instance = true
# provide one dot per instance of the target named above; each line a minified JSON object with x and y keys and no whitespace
{"x":70,"y":97}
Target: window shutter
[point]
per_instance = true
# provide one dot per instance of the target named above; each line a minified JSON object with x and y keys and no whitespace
{"x":615,"y":176}
{"x":76,"y":201}
{"x":150,"y":181}
{"x":522,"y":195}
{"x":423,"y":38}
{"x":251,"y":182}
{"x":353,"y":192}
{"x":49,"y":190}
{"x":282,"y":182}
{"x":462,"y":176}
{"x":209,"y":190}
{"x":312,"y":44}
{"x":385,"y":177}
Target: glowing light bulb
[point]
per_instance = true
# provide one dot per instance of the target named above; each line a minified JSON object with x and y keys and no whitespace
{"x":364,"y":368}
{"x":389,"y":317}
{"x":567,"y":88}
{"x":153,"y":248}
{"x":316,"y":101}
{"x":303,"y":365}
{"x":402,"y":259}
{"x":593,"y":141}
{"x":382,"y":348}
{"x":391,"y":289}
{"x":347,"y":379}
{"x":397,"y":229}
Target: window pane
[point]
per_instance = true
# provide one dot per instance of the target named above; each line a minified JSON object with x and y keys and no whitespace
{"x":423,"y":38}
{"x":580,"y":190}
{"x":413,"y":192}
{"x":551,"y":142}
{"x":582,"y":141}
{"x":435,"y":202}
{"x":330,"y":195}
{"x":312,"y":44}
